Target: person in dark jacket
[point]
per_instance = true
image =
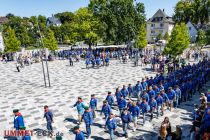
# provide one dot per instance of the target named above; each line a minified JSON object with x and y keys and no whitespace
{"x":111,"y":125}
{"x":93,"y":105}
{"x":79,"y":134}
{"x":126,"y":119}
{"x":49,"y":118}
{"x":88,"y":119}
{"x":18,"y":119}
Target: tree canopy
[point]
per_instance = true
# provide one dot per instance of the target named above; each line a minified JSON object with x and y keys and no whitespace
{"x":179,"y":40}
{"x":142,"y":40}
{"x":121,"y":19}
{"x":192,"y":10}
{"x":12,"y":44}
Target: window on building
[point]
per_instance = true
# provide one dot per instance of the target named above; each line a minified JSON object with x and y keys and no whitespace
{"x":152,"y":32}
{"x":152,"y":25}
{"x":160,"y":31}
{"x":161,"y":24}
{"x":189,"y":28}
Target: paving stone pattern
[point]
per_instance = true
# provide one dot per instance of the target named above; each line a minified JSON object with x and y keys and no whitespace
{"x":25,"y":91}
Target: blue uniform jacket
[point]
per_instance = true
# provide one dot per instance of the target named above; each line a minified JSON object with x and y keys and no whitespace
{"x":145,"y":96}
{"x":118,"y":94}
{"x":208,"y":97}
{"x":88,"y":118}
{"x":165,"y":97}
{"x":49,"y":116}
{"x":80,"y":136}
{"x":135,"y":111}
{"x":126,"y":118}
{"x":206,"y":120}
{"x":144,"y":107}
{"x":80,"y":107}
{"x":106,"y":110}
{"x":27,"y":137}
{"x":124,"y":92}
{"x":144,"y":85}
{"x":18,"y":122}
{"x":130,"y":90}
{"x":159,"y":100}
{"x":129,"y":106}
{"x":110,"y":99}
{"x":111,"y":124}
{"x":151,"y":93}
{"x":171,"y":95}
{"x":153,"y":104}
{"x":138,"y":88}
{"x":178,"y":93}
{"x":122,"y":103}
{"x":93,"y":103}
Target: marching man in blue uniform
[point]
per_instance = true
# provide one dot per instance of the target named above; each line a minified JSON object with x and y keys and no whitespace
{"x":18,"y":119}
{"x":144,"y":107}
{"x":106,"y":109}
{"x":79,"y":134}
{"x":124,"y":92}
{"x":135,"y":111}
{"x":121,"y":104}
{"x":80,"y":109}
{"x":111,"y":125}
{"x":110,"y":98}
{"x":130,"y":91}
{"x":159,"y":100}
{"x":88,"y":119}
{"x":171,"y":96}
{"x":153,"y":106}
{"x":93,"y":105}
{"x":126,"y":119}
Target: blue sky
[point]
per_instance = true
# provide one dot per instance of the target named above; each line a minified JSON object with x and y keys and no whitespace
{"x":28,"y":8}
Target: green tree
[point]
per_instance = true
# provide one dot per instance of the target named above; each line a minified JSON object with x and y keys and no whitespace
{"x":179,"y":41}
{"x":166,"y":36}
{"x":50,"y":41}
{"x":85,"y":27}
{"x":192,"y":10}
{"x":65,"y":17}
{"x":120,"y":19}
{"x":12,"y":44}
{"x":159,"y":37}
{"x":208,"y":36}
{"x":142,"y":40}
{"x":202,"y":38}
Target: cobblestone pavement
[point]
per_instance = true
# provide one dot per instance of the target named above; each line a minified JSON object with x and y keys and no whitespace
{"x":26,"y":92}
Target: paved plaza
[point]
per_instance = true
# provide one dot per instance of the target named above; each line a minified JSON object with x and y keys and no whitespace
{"x":25,"y":91}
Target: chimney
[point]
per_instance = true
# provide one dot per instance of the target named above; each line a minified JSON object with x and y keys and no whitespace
{"x":163,"y":10}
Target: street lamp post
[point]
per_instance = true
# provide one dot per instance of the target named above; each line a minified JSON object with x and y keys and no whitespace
{"x":46,"y":63}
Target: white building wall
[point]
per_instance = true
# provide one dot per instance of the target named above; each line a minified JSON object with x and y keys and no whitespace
{"x":157,"y":29}
{"x":192,"y":31}
{"x":1,"y":43}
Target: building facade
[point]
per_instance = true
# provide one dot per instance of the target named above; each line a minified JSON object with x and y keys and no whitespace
{"x":53,"y":21}
{"x":192,"y":31}
{"x":160,"y":23}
